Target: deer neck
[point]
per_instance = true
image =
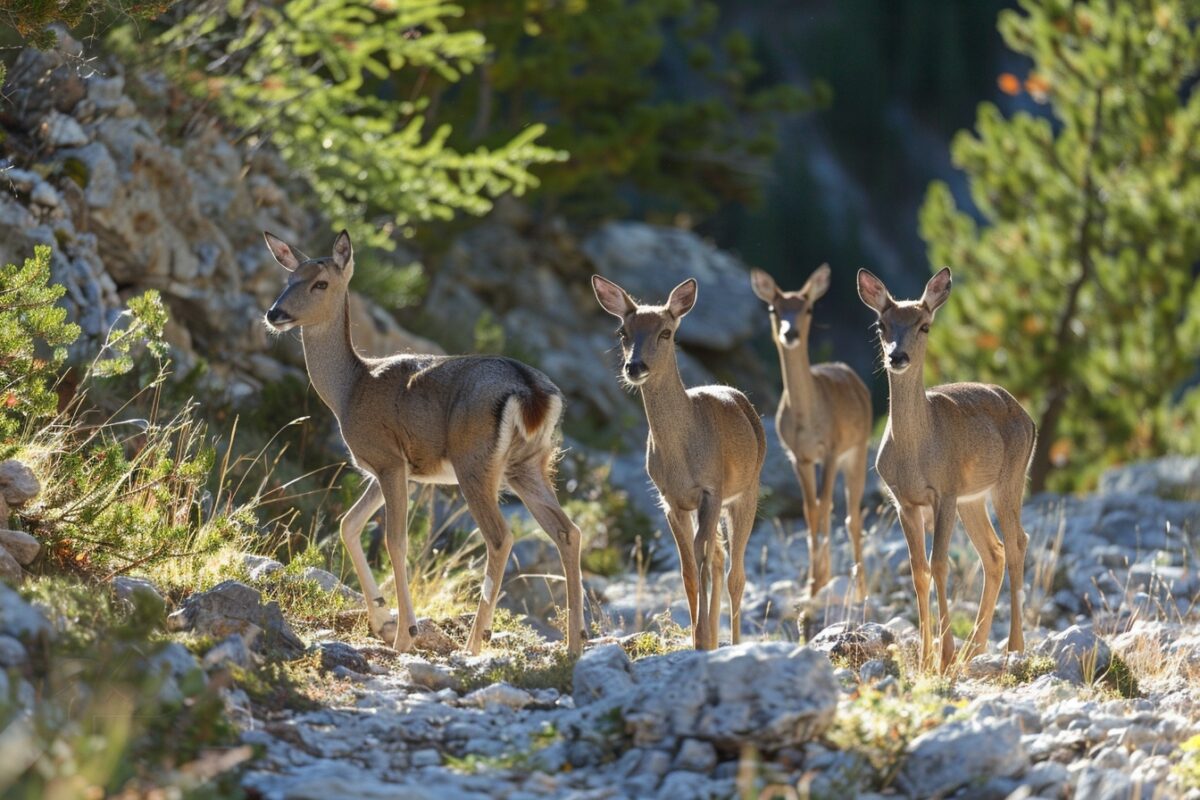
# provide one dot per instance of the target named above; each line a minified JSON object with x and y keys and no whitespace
{"x":332,"y":362}
{"x":668,"y":408}
{"x":909,"y":418}
{"x":797,"y":379}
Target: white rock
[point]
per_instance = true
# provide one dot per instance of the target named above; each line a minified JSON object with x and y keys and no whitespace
{"x":602,"y":672}
{"x":1081,"y":655}
{"x":499,"y":694}
{"x":23,"y":547}
{"x":696,"y":756}
{"x":18,"y":484}
{"x":45,"y":195}
{"x":958,"y":753}
{"x":20,"y":619}
{"x":59,"y":130}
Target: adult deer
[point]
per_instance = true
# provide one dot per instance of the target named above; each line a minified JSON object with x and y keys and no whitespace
{"x":945,"y":452}
{"x":484,"y":423}
{"x":704,"y":453}
{"x":824,"y":418}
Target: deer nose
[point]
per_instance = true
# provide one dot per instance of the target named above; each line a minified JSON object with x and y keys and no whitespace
{"x":899,"y":360}
{"x":635,"y":369}
{"x":790,"y":335}
{"x":277,"y":315}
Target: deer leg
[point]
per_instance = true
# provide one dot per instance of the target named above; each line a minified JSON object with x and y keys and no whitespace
{"x":913,"y":525}
{"x":680,"y":523}
{"x":741,"y":523}
{"x":828,"y":481}
{"x":818,"y":576}
{"x":716,"y":587}
{"x":707,"y":519}
{"x":979,"y":530}
{"x":481,"y":494}
{"x":1008,"y":512}
{"x":351,"y":531}
{"x":395,"y":494}
{"x":945,"y":511}
{"x":537,"y":493}
{"x":856,"y":481}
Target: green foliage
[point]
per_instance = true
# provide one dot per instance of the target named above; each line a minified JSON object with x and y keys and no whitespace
{"x":1077,"y":292}
{"x":110,"y":716}
{"x":651,"y":98}
{"x":1188,"y":768}
{"x":29,"y":321}
{"x":32,"y":18}
{"x":139,"y":326}
{"x":317,"y":78}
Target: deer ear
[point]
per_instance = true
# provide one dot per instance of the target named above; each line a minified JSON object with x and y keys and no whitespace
{"x":764,"y":286}
{"x":282,"y":251}
{"x":612,"y":298}
{"x":937,"y":291}
{"x":343,"y":251}
{"x":872,"y":291}
{"x":682,"y":298}
{"x":817,"y":284}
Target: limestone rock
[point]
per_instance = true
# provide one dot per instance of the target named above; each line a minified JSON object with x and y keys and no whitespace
{"x":1080,"y":654}
{"x":602,"y":672}
{"x":127,"y":586}
{"x":10,"y":570}
{"x":649,"y":261}
{"x":19,"y":618}
{"x":957,"y":753}
{"x":855,"y":643}
{"x":499,"y":694}
{"x":23,"y":547}
{"x":18,"y":484}
{"x":340,"y":654}
{"x":233,"y":607}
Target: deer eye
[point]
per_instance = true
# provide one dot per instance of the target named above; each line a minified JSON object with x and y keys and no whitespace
{"x":925,"y":328}
{"x":664,"y":335}
{"x":320,"y":285}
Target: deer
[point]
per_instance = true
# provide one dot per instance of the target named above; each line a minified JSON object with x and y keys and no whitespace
{"x":824,"y":419}
{"x":704,"y":454}
{"x":945,"y":452}
{"x":484,"y":423}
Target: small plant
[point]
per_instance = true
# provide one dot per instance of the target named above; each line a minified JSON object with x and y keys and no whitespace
{"x":1026,"y":670}
{"x":1188,"y":768}
{"x":522,"y":760}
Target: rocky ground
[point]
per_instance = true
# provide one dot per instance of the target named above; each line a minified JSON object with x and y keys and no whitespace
{"x":1103,"y":703}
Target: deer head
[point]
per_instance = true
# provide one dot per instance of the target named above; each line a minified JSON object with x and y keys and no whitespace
{"x":647,"y":333}
{"x":903,"y":325}
{"x":316,"y":287}
{"x":791,"y":312}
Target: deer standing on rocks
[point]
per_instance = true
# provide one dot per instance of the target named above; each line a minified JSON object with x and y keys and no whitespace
{"x":824,"y":419}
{"x":944,"y":453}
{"x":483,"y":423}
{"x":704,"y":453}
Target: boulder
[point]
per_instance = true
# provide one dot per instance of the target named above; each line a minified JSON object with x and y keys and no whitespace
{"x":1080,"y":654}
{"x":23,"y":547}
{"x":1171,"y":478}
{"x":18,"y":484}
{"x":330,"y":583}
{"x":10,"y":569}
{"x":771,"y":695}
{"x":499,"y":694}
{"x":602,"y":672}
{"x":233,"y":607}
{"x":649,"y":261}
{"x":853,"y":642}
{"x":20,"y":619}
{"x":959,"y":753}
{"x":126,"y":587}
{"x":340,"y":654}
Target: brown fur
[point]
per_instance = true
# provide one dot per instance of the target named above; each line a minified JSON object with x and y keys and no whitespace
{"x":704,"y":454}
{"x":944,"y":453}
{"x":824,"y":419}
{"x":430,"y":419}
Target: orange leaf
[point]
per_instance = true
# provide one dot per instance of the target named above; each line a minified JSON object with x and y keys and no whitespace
{"x":1037,"y":86}
{"x":1009,"y":84}
{"x":1060,"y":452}
{"x":987,"y":341}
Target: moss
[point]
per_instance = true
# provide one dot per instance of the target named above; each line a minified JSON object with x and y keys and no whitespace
{"x":1120,"y":678}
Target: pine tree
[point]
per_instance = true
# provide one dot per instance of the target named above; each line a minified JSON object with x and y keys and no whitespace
{"x":1076,"y":268}
{"x":305,"y":75}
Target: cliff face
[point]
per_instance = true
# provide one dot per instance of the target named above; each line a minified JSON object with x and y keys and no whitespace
{"x":130,"y":199}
